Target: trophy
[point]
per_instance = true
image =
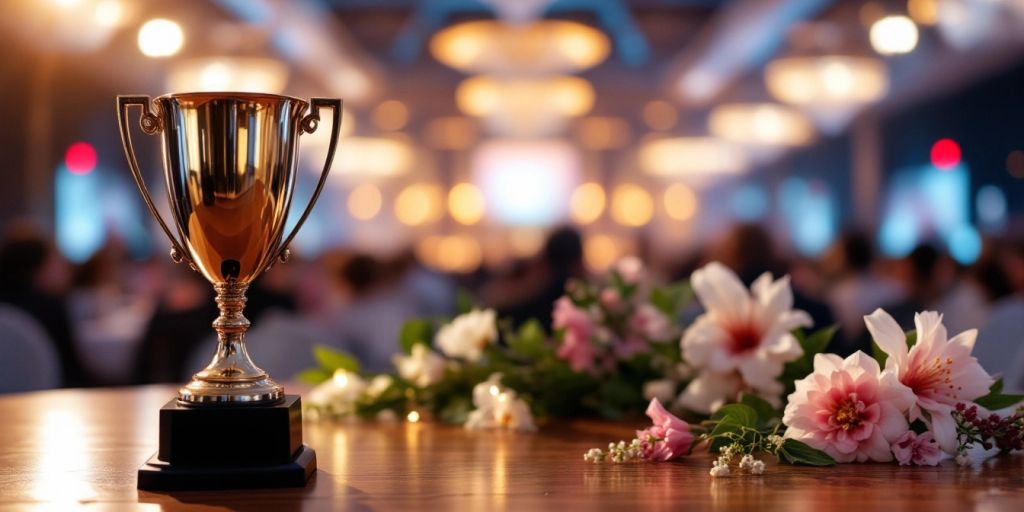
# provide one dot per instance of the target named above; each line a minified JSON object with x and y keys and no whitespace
{"x":229,"y":166}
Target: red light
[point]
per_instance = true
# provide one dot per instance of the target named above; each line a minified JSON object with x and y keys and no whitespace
{"x":945,"y":154}
{"x":80,"y":158}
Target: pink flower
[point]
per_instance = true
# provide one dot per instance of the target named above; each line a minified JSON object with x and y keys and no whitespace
{"x":650,"y":322}
{"x":669,"y":438}
{"x":576,"y":347}
{"x":630,"y":346}
{"x":849,"y":409}
{"x":611,"y":300}
{"x":940,"y":372}
{"x":917,"y":449}
{"x":630,"y":269}
{"x":742,"y":340}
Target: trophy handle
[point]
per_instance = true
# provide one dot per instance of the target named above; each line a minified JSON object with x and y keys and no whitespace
{"x":309,"y":125}
{"x":150,"y":124}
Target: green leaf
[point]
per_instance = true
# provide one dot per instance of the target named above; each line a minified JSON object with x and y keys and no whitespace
{"x":797,"y":452}
{"x":739,"y":414}
{"x":911,"y":338}
{"x":413,"y":332}
{"x":529,"y":340}
{"x":332,"y":360}
{"x":464,"y":301}
{"x":671,"y":299}
{"x":995,"y":399}
{"x":764,"y":410}
{"x":313,"y":376}
{"x":818,"y":341}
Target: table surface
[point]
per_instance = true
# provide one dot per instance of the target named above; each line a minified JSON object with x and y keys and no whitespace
{"x":70,"y":449}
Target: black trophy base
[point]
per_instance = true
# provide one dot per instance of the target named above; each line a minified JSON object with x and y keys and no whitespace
{"x":233,"y":447}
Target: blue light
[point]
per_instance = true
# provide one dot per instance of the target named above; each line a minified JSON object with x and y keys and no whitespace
{"x":79,"y":214}
{"x":749,"y":202}
{"x":991,"y":207}
{"x":964,"y":244}
{"x":899,"y":233}
{"x":810,"y":213}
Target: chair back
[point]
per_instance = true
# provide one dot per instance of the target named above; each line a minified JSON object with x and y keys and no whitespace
{"x":28,"y":359}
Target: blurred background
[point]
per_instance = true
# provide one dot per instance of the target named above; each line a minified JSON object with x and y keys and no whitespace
{"x":874,"y":150}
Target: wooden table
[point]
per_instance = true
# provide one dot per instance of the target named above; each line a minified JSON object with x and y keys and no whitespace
{"x":63,"y":450}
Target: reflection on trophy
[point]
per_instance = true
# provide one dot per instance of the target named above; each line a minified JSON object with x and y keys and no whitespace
{"x":230,"y":165}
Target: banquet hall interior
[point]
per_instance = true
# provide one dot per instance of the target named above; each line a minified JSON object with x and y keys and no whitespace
{"x":492,"y":150}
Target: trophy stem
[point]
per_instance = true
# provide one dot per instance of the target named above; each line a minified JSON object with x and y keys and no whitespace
{"x":231,"y":377}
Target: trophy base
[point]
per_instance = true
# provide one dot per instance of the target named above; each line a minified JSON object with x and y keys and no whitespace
{"x":229,"y":448}
{"x":157,"y":475}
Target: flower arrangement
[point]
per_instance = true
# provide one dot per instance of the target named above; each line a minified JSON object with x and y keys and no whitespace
{"x":749,"y":379}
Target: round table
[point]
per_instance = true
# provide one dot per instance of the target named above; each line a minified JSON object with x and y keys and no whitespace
{"x":69,"y":449}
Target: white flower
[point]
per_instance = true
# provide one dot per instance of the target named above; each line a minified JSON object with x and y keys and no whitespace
{"x":339,"y":394}
{"x":757,"y":467}
{"x":423,"y":367}
{"x":378,"y":385}
{"x":498,"y":408}
{"x":940,"y":372}
{"x":962,"y":459}
{"x":742,"y":340}
{"x":664,"y":390}
{"x":468,"y":334}
{"x":747,"y":461}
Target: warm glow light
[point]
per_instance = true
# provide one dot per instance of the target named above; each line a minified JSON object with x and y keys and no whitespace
{"x":831,"y":89}
{"x":372,"y":156}
{"x":587,"y":203}
{"x":450,"y":133}
{"x":108,"y":13}
{"x":925,"y":12}
{"x":80,"y":158}
{"x":413,"y":416}
{"x":893,"y":35}
{"x":466,"y":203}
{"x":680,"y":202}
{"x":761,"y":124}
{"x":600,"y":252}
{"x":160,"y":38}
{"x":694,"y":157}
{"x":390,"y":115}
{"x":419,"y":204}
{"x":660,"y":115}
{"x":631,"y":205}
{"x":542,"y":47}
{"x":248,"y":74}
{"x":525,"y":106}
{"x":603,"y":133}
{"x":945,"y":154}
{"x":527,"y":182}
{"x":525,"y":242}
{"x":364,"y":202}
{"x":454,"y":253}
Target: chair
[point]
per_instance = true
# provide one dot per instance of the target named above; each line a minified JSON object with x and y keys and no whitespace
{"x":28,"y":359}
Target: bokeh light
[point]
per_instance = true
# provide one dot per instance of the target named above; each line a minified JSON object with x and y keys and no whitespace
{"x":894,"y":35}
{"x":466,"y":204}
{"x":587,"y":203}
{"x":660,"y":115}
{"x":680,"y":202}
{"x":364,"y":202}
{"x":160,"y":38}
{"x":390,"y":115}
{"x":945,"y":154}
{"x":419,"y":204}
{"x":80,"y":158}
{"x":631,"y":205}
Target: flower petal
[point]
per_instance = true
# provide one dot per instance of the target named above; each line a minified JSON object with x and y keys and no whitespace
{"x":888,"y":335}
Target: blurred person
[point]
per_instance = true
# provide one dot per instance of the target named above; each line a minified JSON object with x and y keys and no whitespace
{"x":544,"y":279}
{"x":856,"y":289}
{"x":749,"y":251}
{"x":376,"y":304}
{"x":924,"y":275}
{"x":1000,"y":344}
{"x":35,"y":279}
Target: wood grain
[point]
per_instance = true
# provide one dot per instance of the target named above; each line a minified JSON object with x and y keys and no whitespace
{"x":64,"y":450}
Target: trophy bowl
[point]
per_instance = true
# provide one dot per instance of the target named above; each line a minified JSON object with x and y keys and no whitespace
{"x":230,"y":161}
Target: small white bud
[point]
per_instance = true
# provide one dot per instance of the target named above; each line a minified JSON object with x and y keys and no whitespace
{"x":757,"y":467}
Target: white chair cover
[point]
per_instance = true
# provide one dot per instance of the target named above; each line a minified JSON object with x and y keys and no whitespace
{"x":28,"y":359}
